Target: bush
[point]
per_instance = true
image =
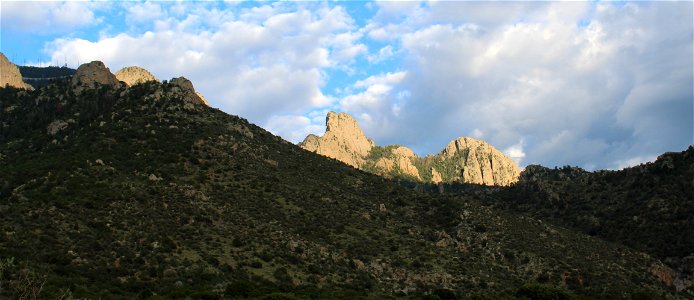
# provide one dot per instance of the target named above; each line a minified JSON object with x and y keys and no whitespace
{"x":238,"y":289}
{"x":543,"y":292}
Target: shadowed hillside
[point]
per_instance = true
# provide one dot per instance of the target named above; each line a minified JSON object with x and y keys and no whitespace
{"x":144,"y":191}
{"x":649,"y":207}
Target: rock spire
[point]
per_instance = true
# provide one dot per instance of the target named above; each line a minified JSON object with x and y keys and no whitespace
{"x":343,"y":140}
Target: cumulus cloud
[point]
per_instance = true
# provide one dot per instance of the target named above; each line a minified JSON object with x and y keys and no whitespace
{"x":515,"y":152}
{"x":293,"y":128}
{"x":594,"y":84}
{"x":376,"y":104}
{"x":39,"y":17}
{"x":261,"y":63}
{"x":573,"y":94}
{"x":139,"y":13}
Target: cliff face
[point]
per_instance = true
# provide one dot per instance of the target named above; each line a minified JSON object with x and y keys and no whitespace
{"x":343,"y":140}
{"x":9,"y":74}
{"x":480,"y":163}
{"x":464,"y":160}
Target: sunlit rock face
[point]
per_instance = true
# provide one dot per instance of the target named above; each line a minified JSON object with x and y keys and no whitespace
{"x":10,"y":76}
{"x":343,"y":140}
{"x":480,"y":163}
{"x":134,"y":75}
{"x":464,"y":160}
{"x":90,"y":74}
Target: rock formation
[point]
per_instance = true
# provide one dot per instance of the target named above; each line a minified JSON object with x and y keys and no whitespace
{"x":10,"y":76}
{"x":435,"y":176}
{"x":480,"y":163}
{"x":398,"y":160}
{"x":343,"y":140}
{"x":184,"y":87}
{"x":90,"y":74}
{"x":465,"y":160}
{"x":134,"y":75}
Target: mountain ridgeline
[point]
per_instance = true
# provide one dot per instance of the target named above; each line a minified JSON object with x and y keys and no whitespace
{"x":137,"y":189}
{"x":649,"y":207}
{"x":464,"y":160}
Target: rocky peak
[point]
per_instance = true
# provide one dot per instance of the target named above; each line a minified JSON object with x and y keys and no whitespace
{"x":480,"y":163}
{"x":9,"y":74}
{"x":310,"y":143}
{"x":345,"y":128}
{"x":90,"y":74}
{"x":464,"y":160}
{"x":343,"y":140}
{"x":183,"y":83}
{"x":134,"y":75}
{"x":184,"y":87}
{"x":341,"y":122}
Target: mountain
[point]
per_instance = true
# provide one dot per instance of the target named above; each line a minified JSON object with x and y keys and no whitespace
{"x":92,"y":75}
{"x":343,"y":140}
{"x":135,"y":75}
{"x":649,"y":207}
{"x":9,"y":74}
{"x":464,"y":160}
{"x":143,"y":191}
{"x":40,"y":76}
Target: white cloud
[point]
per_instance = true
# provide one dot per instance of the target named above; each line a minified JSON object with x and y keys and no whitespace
{"x":382,"y":54}
{"x":377,"y":104}
{"x":585,"y":95}
{"x":267,"y":62}
{"x":293,"y":128}
{"x":377,"y":90}
{"x":146,"y":12}
{"x":382,"y":79}
{"x":515,"y":152}
{"x":580,"y":83}
{"x":40,"y":17}
{"x":346,"y":46}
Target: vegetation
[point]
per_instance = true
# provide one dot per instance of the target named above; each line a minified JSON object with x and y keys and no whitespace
{"x":647,"y":207}
{"x":118,"y":194}
{"x":40,"y":76}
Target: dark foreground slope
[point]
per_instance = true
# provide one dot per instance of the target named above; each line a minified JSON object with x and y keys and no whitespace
{"x":649,"y":207}
{"x":112,"y":194}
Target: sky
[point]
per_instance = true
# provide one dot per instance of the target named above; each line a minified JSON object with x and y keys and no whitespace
{"x":599,"y":84}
